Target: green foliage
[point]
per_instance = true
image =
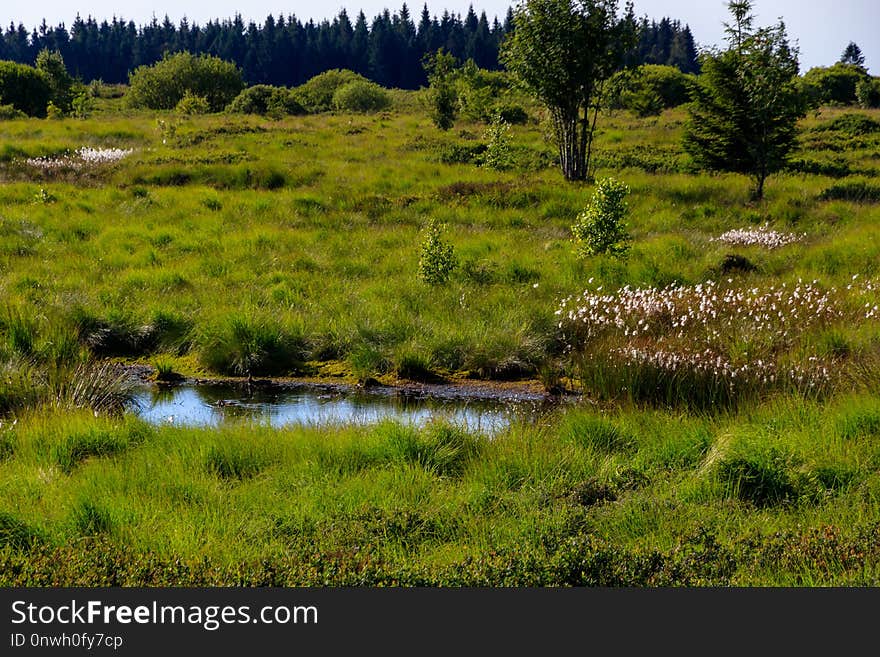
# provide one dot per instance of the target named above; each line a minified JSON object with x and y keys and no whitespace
{"x":498,"y":154}
{"x":442,"y":94}
{"x":164,"y":84}
{"x":859,"y":191}
{"x":53,"y":112}
{"x":480,"y":92}
{"x":868,"y":92}
{"x":563,"y":53}
{"x":601,"y":227}
{"x":851,"y":124}
{"x":746,"y":103}
{"x":852,"y":54}
{"x":316,"y":95}
{"x":82,"y":105}
{"x":837,"y":83}
{"x":649,"y":89}
{"x":265,"y":99}
{"x":51,"y":65}
{"x":8,"y":112}
{"x":437,"y":260}
{"x":360,"y":96}
{"x":25,"y":88}
{"x":191,"y":105}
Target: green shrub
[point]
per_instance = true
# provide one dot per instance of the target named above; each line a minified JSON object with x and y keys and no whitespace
{"x":25,"y":88}
{"x":82,"y":105}
{"x":511,"y":113}
{"x":316,"y":95}
{"x":265,"y":99}
{"x":438,"y":260}
{"x":191,"y":104}
{"x":868,"y":92}
{"x":649,"y":89}
{"x":498,"y":154}
{"x":360,"y":96}
{"x":859,"y":191}
{"x":51,"y":65}
{"x":835,"y":84}
{"x":601,"y":227}
{"x":461,"y":153}
{"x":442,"y":97}
{"x":851,"y":124}
{"x":164,"y":84}
{"x":8,"y":112}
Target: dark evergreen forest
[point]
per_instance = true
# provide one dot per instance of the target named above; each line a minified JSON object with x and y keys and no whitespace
{"x":288,"y":51}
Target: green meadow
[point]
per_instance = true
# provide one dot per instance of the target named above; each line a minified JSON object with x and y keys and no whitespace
{"x":232,"y":245}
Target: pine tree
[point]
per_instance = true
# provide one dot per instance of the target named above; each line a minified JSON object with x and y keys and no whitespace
{"x":853,"y":55}
{"x":746,"y":103}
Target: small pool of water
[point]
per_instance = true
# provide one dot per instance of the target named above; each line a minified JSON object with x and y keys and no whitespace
{"x":213,"y":405}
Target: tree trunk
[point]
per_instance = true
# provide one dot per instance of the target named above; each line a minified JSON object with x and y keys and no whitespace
{"x":571,"y":150}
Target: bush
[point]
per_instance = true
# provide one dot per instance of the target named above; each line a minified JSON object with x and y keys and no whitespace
{"x":164,"y":84}
{"x":650,"y":89}
{"x":82,"y":105}
{"x":835,"y":84}
{"x":360,"y":96}
{"x":316,"y":95}
{"x":25,"y":88}
{"x":51,"y":65}
{"x":438,"y":256}
{"x":191,"y":104}
{"x":600,"y":228}
{"x":442,"y":96}
{"x":852,"y":125}
{"x":511,"y":113}
{"x":265,"y":99}
{"x":859,"y":191}
{"x":8,"y":112}
{"x":498,"y":150}
{"x":868,"y":92}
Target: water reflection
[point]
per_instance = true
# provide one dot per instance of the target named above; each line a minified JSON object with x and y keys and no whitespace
{"x":206,"y":405}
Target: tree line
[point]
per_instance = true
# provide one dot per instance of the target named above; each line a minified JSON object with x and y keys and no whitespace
{"x":388,"y":49}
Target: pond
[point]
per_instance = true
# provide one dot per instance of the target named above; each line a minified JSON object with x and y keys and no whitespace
{"x":216,"y":404}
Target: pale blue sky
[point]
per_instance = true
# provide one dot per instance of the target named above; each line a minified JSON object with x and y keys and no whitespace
{"x":822,"y":28}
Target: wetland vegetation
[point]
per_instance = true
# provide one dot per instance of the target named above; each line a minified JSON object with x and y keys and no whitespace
{"x":729,"y":416}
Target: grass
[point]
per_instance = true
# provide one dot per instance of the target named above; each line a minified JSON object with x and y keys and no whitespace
{"x":255,"y":247}
{"x":610,"y":497}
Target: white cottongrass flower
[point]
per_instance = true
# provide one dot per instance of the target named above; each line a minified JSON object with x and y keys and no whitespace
{"x":762,"y":236}
{"x":83,"y":156}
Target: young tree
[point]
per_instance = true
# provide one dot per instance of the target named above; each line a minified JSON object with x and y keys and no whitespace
{"x":852,"y":54}
{"x":563,"y":52}
{"x":442,"y":96}
{"x":51,"y":65}
{"x":746,"y":103}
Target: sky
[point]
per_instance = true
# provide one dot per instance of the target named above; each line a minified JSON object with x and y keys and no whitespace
{"x":821,"y":28}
